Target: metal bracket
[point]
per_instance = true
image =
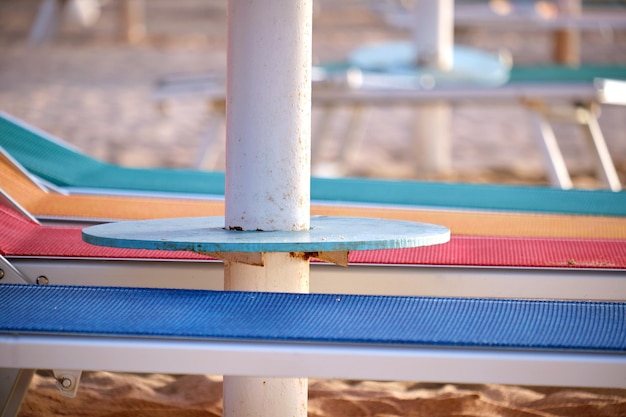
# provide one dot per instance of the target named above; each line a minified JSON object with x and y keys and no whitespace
{"x":256,"y":259}
{"x":338,"y":258}
{"x":9,"y":274}
{"x":67,"y":381}
{"x":248,"y":258}
{"x":7,"y":201}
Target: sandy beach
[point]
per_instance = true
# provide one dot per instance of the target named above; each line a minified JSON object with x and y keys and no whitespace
{"x":105,"y":394}
{"x":95,"y":92}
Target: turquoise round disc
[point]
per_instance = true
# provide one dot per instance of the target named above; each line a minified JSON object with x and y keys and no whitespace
{"x":207,"y":234}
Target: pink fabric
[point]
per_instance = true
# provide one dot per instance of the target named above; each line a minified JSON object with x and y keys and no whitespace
{"x":20,"y":237}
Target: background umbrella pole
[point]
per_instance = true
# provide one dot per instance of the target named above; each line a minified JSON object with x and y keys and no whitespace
{"x":433,"y":37}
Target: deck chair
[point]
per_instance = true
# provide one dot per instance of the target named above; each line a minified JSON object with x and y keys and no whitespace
{"x":605,"y":219}
{"x":549,"y":94}
{"x":56,"y":203}
{"x":305,"y":335}
{"x":540,"y":90}
{"x":61,"y":164}
{"x":53,"y":163}
{"x":478,"y":264}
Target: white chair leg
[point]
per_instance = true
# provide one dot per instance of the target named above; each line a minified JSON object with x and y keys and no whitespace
{"x":557,"y":170}
{"x":13,"y":387}
{"x":47,"y":21}
{"x":432,"y":142}
{"x":355,"y":132}
{"x":213,"y":140}
{"x":320,"y":133}
{"x":604,"y":163}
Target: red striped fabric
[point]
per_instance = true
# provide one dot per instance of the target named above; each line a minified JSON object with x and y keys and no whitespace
{"x":20,"y":237}
{"x":506,"y":252}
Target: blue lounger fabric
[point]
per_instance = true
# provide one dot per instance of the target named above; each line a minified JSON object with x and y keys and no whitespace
{"x":314,"y":318}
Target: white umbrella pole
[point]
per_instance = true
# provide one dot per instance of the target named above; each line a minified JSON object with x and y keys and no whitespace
{"x":433,"y":33}
{"x":433,"y":37}
{"x":268,"y":168}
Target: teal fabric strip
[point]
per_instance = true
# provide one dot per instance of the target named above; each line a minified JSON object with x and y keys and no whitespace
{"x":536,"y":74}
{"x":470,"y":196}
{"x":564,"y":74}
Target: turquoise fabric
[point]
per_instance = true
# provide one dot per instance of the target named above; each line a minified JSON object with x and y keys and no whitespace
{"x":68,"y":168}
{"x":564,"y":74}
{"x":470,"y":196}
{"x":63,"y":166}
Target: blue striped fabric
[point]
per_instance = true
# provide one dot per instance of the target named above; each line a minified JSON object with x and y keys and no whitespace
{"x":310,"y":318}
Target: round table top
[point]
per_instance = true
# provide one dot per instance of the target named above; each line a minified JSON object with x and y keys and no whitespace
{"x":207,"y":234}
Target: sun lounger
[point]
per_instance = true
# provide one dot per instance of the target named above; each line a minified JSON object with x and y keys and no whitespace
{"x":527,"y":342}
{"x":470,"y":265}
{"x":484,"y":266}
{"x":538,"y":89}
{"x":73,"y":171}
{"x":63,"y":165}
{"x":599,"y":215}
{"x":591,"y":220}
{"x":549,"y":93}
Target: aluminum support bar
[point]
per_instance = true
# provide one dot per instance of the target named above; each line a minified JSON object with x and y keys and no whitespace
{"x":606,"y":170}
{"x":558,"y":173}
{"x":423,"y":280}
{"x":289,"y":360}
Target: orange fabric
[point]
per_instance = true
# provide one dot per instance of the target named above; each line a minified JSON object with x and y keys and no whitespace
{"x":99,"y":207}
{"x":42,"y":204}
{"x":496,"y":223}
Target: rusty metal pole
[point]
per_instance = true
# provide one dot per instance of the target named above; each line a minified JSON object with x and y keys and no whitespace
{"x":268,"y":152}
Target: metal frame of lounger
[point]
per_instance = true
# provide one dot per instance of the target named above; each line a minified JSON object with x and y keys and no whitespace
{"x":413,"y":280}
{"x":538,"y":99}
